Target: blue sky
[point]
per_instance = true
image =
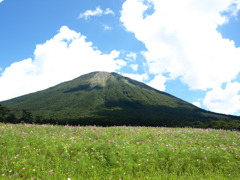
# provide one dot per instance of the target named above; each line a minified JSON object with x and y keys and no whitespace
{"x":189,"y":49}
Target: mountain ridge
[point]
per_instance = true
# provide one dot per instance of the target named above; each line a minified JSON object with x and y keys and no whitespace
{"x":109,"y":97}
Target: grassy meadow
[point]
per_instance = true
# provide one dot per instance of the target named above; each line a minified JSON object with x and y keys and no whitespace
{"x":119,"y":153}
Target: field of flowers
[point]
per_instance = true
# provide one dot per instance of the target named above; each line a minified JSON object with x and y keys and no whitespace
{"x":75,"y":153}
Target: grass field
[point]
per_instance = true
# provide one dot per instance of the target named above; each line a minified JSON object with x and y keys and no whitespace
{"x":75,"y":153}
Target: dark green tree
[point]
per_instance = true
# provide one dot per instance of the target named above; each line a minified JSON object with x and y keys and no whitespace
{"x":27,"y":116}
{"x":11,"y":118}
{"x":4,"y":111}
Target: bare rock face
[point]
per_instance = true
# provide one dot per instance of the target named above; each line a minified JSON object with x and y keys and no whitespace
{"x":100,"y":79}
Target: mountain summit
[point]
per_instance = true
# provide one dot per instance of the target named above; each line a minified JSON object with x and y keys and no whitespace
{"x":103,"y":98}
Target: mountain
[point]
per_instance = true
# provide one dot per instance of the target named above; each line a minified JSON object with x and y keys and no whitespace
{"x":103,"y":98}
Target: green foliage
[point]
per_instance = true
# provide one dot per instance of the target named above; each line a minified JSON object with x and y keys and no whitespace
{"x":27,"y":117}
{"x":62,"y":152}
{"x":3,"y":112}
{"x":6,"y":115}
{"x":224,"y":124}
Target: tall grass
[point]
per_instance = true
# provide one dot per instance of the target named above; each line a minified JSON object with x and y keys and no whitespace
{"x":65,"y":152}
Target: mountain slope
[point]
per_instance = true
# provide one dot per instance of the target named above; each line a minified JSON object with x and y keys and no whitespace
{"x":111,"y":98}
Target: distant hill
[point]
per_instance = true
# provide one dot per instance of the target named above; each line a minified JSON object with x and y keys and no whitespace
{"x":103,"y":98}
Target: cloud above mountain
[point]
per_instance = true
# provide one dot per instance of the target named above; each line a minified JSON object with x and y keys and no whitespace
{"x":182,"y":41}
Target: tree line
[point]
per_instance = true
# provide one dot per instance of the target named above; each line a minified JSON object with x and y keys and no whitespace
{"x":6,"y":116}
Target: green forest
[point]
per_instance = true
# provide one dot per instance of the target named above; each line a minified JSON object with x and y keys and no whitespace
{"x":7,"y":116}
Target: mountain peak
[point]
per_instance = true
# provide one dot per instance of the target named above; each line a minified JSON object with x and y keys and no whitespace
{"x":111,"y":97}
{"x":99,"y":79}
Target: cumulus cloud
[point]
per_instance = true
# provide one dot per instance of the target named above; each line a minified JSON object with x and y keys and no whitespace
{"x":138,"y":77}
{"x":66,"y":56}
{"x":158,"y":82}
{"x":224,"y":100}
{"x":134,"y":67}
{"x":97,"y":12}
{"x":182,"y":40}
{"x":198,"y":104}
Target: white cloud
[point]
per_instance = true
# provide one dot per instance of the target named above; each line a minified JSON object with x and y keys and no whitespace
{"x":97,"y":12}
{"x":158,"y":82}
{"x":134,"y":67}
{"x":182,"y":40}
{"x":66,"y":56}
{"x":108,"y":11}
{"x":138,"y":77}
{"x":107,"y":27}
{"x":131,"y":56}
{"x":1,"y":1}
{"x":198,"y":104}
{"x":225,"y":100}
